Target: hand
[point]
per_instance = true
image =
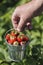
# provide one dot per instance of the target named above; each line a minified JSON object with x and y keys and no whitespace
{"x":23,"y":14}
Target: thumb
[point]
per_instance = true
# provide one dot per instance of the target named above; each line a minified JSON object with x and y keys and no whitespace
{"x":21,"y":24}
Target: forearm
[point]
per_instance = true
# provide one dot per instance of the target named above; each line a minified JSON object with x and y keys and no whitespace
{"x":36,"y":7}
{"x":39,"y":8}
{"x":37,"y":4}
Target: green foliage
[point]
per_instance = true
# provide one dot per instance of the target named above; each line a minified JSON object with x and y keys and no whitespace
{"x":34,"y":52}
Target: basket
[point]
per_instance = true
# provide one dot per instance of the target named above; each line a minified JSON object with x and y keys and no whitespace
{"x":16,"y":53}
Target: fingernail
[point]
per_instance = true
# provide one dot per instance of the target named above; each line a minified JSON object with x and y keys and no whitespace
{"x":28,"y":24}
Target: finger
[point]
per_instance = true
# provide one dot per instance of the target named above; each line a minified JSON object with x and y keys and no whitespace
{"x":14,"y":24}
{"x":29,"y":25}
{"x":21,"y":24}
{"x":15,"y":20}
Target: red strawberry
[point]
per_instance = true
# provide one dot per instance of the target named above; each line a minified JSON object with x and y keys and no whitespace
{"x":19,"y":38}
{"x":12,"y":33}
{"x":25,"y":38}
{"x":7,"y":36}
{"x":13,"y":38}
{"x":10,"y":41}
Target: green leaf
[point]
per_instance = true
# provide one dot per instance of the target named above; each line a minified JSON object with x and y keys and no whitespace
{"x":42,"y":39}
{"x":35,"y":34}
{"x":35,"y":41}
{"x":2,"y":30}
{"x":2,"y":56}
{"x":37,"y":19}
{"x":41,"y":25}
{"x":6,"y":55}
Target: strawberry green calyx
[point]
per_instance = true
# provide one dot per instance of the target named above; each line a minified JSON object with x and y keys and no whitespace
{"x":15,"y":43}
{"x":22,"y":43}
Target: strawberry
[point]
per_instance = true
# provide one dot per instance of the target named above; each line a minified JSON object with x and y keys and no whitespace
{"x":25,"y":38}
{"x":7,"y":36}
{"x":14,"y":33}
{"x":22,"y":43}
{"x":10,"y":41}
{"x":13,"y":38}
{"x":15,"y":43}
{"x":19,"y":38}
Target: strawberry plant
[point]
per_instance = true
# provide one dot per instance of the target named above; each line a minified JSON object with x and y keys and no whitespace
{"x":34,"y":52}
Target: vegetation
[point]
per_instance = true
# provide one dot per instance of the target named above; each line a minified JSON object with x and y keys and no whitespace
{"x":34,"y":52}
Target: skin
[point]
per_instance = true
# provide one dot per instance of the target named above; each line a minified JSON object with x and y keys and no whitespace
{"x":23,"y":14}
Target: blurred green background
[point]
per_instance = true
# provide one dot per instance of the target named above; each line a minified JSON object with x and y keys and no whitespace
{"x":34,"y":52}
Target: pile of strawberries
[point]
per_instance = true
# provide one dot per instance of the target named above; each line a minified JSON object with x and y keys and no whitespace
{"x":15,"y":38}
